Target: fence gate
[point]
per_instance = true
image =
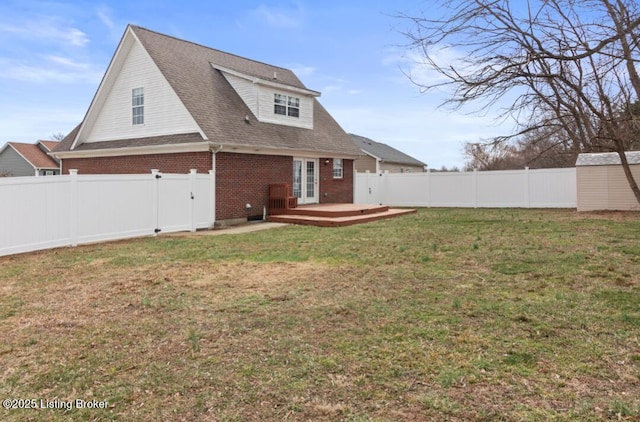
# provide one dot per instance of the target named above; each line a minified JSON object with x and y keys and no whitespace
{"x":367,"y":188}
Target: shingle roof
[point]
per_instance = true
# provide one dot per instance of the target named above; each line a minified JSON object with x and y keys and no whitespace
{"x":65,"y":144}
{"x":384,"y":152}
{"x":218,"y":109}
{"x":183,"y":138}
{"x":49,"y":145}
{"x":34,"y":155}
{"x":607,"y":158}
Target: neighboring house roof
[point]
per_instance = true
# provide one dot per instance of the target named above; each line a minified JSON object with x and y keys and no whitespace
{"x":194,"y":72}
{"x":384,"y":152}
{"x":49,"y":145}
{"x":33,"y":154}
{"x":607,"y":158}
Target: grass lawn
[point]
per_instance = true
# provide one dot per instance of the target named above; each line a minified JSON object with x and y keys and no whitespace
{"x":441,"y":315}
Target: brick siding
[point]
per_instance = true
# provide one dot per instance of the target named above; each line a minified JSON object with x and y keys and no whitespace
{"x":138,"y":164}
{"x":244,"y":179}
{"x":336,"y":191}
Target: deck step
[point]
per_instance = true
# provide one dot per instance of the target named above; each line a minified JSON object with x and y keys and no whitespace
{"x":337,"y":210}
{"x":339,"y":220}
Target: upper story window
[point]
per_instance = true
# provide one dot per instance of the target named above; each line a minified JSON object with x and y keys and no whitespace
{"x":337,"y":168}
{"x":137,"y":106}
{"x":286,"y":105}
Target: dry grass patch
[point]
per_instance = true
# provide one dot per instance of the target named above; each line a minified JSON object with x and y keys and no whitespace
{"x":444,"y":315}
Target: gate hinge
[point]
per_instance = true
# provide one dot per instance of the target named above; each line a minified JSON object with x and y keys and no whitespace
{"x":158,"y":176}
{"x":157,"y":231}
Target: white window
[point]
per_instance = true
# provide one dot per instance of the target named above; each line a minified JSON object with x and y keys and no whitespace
{"x":337,"y":168}
{"x":137,"y":106}
{"x":286,"y":106}
{"x":293,"y":106}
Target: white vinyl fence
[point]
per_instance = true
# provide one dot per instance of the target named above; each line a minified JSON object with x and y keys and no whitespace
{"x":544,"y":188}
{"x":45,"y":212}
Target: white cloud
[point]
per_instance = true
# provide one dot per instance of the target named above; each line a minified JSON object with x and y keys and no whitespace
{"x":48,"y":29}
{"x":414,"y":68}
{"x":104,"y":14}
{"x":70,"y":72}
{"x":75,"y":37}
{"x":66,"y":62}
{"x":301,"y":70}
{"x":331,"y":88}
{"x":280,"y":17}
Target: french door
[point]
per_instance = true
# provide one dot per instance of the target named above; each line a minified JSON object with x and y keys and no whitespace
{"x":305,"y":180}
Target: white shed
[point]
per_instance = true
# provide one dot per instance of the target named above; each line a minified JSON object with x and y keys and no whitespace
{"x":601,"y":183}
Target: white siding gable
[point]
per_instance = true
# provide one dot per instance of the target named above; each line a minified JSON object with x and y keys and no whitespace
{"x":164,"y":112}
{"x":247,"y":90}
{"x":259,"y":97}
{"x":267,"y":114}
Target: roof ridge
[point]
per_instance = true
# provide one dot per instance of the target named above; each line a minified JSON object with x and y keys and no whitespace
{"x":207,"y":47}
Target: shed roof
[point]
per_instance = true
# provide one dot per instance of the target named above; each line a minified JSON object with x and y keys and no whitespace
{"x":606,"y":158}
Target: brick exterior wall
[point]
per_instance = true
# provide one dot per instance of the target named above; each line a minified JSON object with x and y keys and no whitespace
{"x":139,"y":164}
{"x":244,"y":179}
{"x":336,"y":191}
{"x":240,"y":178}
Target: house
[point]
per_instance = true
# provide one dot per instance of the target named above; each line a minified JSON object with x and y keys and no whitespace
{"x":173,"y":105}
{"x":21,"y":159}
{"x":602,"y":184}
{"x":379,"y":157}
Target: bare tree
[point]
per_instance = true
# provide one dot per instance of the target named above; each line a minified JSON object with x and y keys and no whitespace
{"x":565,"y":67}
{"x":58,"y":136}
{"x":541,"y":148}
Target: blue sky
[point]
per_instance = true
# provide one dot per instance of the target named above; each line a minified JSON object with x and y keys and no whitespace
{"x":53,"y":55}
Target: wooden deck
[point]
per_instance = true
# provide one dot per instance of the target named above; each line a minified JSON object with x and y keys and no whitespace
{"x":337,"y":215}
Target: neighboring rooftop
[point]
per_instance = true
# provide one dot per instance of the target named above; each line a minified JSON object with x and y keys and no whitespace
{"x":49,"y":145}
{"x":35,"y":155}
{"x":384,"y":152}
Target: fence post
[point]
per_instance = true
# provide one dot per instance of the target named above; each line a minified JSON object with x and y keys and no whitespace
{"x":155,"y":202}
{"x":73,"y":215}
{"x":474,"y":188}
{"x":192,"y":204}
{"x":383,"y":190}
{"x":367,"y":188}
{"x":212,"y":202}
{"x":354,"y":190}
{"x":527,"y":188}
{"x":428,"y":188}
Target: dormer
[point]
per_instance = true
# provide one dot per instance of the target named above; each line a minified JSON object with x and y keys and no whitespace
{"x":271,"y":101}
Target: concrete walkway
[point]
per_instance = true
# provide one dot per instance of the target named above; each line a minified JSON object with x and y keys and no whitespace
{"x":244,"y":228}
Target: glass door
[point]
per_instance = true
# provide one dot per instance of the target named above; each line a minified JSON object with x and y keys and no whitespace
{"x":305,"y":180}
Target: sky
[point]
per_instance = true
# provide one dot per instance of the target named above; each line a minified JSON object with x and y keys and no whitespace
{"x":53,"y":55}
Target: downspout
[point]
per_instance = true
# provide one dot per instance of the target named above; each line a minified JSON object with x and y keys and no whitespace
{"x":56,"y":159}
{"x":214,"y":150}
